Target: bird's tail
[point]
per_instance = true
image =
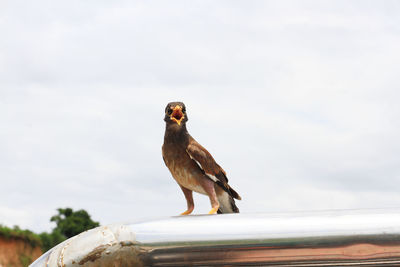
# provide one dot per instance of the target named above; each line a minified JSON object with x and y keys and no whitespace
{"x":227,"y":204}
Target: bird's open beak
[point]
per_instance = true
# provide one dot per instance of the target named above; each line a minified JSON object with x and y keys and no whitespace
{"x":177,"y":114}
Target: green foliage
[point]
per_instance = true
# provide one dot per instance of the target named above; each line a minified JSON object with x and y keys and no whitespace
{"x":50,"y":240}
{"x":70,"y":223}
{"x":19,"y":234}
{"x":25,"y":260}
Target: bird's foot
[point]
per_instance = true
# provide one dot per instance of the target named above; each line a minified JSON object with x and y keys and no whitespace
{"x":187,"y":212}
{"x":213,"y":210}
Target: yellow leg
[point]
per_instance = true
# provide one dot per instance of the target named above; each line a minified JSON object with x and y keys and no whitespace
{"x":209,"y":186}
{"x":214,"y":210}
{"x":189,"y":199}
{"x":187,"y":212}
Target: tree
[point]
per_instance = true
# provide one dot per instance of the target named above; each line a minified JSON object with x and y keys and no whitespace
{"x":50,"y":240}
{"x":70,"y":223}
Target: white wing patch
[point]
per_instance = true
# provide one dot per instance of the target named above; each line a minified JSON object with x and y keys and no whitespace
{"x":212,"y":177}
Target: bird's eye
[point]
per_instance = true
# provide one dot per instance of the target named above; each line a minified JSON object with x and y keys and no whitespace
{"x":184,"y":110}
{"x":169,"y":111}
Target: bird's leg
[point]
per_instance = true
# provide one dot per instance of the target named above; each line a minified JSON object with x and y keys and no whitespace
{"x":208,"y":186}
{"x":189,"y":199}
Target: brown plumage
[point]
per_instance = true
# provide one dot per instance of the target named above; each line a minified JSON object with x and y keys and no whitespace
{"x":192,"y":166}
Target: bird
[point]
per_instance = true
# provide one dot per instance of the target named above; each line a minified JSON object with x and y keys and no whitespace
{"x":192,"y":166}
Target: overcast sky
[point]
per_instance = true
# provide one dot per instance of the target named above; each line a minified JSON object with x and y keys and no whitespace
{"x":297,"y":100}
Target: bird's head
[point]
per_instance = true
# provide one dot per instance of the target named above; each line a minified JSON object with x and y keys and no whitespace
{"x":175,"y":113}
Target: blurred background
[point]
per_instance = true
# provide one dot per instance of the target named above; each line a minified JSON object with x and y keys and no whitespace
{"x":296,"y":100}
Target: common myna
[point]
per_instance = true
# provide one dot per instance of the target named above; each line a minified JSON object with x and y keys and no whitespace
{"x":192,"y":166}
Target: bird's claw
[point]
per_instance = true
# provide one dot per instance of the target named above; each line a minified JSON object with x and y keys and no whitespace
{"x":213,"y":210}
{"x":187,"y":212}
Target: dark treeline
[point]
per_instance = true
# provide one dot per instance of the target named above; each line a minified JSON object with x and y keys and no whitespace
{"x":68,"y":223}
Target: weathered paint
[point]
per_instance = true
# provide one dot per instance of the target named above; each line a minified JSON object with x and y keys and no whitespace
{"x":329,"y":238}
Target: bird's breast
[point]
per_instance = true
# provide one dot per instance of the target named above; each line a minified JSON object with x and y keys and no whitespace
{"x":184,"y":172}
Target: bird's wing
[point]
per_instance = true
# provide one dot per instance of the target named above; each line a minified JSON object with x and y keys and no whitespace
{"x":207,"y":163}
{"x":211,"y":169}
